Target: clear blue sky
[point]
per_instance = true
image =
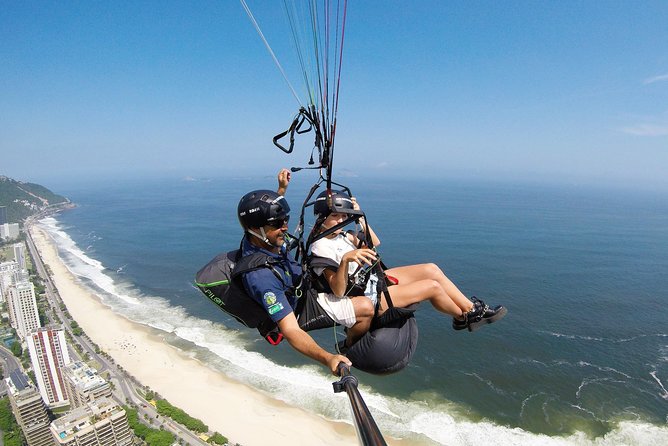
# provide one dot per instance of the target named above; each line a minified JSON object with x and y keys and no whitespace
{"x":559,"y":90}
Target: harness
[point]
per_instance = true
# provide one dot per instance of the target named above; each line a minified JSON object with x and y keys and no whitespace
{"x":357,"y":282}
{"x":357,"y":286}
{"x":220,"y":281}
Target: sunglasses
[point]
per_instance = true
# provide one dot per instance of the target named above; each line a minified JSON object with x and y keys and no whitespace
{"x":279,"y":223}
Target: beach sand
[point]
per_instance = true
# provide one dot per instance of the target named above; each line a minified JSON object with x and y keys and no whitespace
{"x":237,"y":411}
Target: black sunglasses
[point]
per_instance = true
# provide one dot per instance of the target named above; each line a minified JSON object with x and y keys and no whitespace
{"x":279,"y":223}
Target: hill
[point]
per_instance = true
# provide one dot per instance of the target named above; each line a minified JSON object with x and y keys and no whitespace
{"x":25,"y":199}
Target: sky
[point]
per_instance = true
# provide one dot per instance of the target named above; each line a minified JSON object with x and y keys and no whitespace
{"x":560,"y":91}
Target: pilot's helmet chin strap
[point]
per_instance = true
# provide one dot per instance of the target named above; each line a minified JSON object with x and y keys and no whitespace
{"x":262,"y":236}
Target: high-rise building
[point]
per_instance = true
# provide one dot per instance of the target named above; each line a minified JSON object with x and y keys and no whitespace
{"x":83,"y":384}
{"x":9,"y":231}
{"x":29,"y":410}
{"x":22,"y":308}
{"x":101,"y":423}
{"x":49,"y":355}
{"x":3,"y":215}
{"x":9,"y":274}
{"x":20,"y":255}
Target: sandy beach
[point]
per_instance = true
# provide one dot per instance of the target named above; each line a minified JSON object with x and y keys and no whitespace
{"x":237,"y":411}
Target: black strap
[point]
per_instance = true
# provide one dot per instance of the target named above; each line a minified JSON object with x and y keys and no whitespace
{"x":255,"y":261}
{"x":296,"y":127}
{"x":322,"y":262}
{"x":268,"y":329}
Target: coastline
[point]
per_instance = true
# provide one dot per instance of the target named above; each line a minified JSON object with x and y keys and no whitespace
{"x":237,"y":411}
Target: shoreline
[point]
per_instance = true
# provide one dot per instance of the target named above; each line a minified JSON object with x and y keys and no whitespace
{"x":239,"y":412}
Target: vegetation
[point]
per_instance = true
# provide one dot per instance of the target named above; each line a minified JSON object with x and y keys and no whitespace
{"x":153,"y":437}
{"x":43,"y":317}
{"x":26,"y":361}
{"x":39,"y":286}
{"x":178,"y":415}
{"x":60,"y":411}
{"x":6,"y":252}
{"x":11,"y":433}
{"x":16,"y":349}
{"x":42,"y":303}
{"x":25,"y":199}
{"x":7,"y":244}
{"x":76,"y":330}
{"x":216,"y":438}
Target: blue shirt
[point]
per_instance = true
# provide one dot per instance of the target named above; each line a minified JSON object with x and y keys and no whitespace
{"x":264,"y":287}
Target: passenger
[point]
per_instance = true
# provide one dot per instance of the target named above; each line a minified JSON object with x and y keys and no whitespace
{"x":415,"y":283}
{"x":264,"y":216}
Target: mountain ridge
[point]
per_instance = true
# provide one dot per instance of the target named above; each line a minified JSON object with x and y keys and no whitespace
{"x":23,"y":199}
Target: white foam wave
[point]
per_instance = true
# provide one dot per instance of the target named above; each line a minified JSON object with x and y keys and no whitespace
{"x":597,"y":339}
{"x":570,"y":336}
{"x":603,"y":369}
{"x":587,"y":411}
{"x":663,"y":353}
{"x":488,"y":383}
{"x":423,"y":418}
{"x":443,"y":429}
{"x":81,"y":265}
{"x":527,"y":399}
{"x":588,"y":381}
{"x":664,"y":393}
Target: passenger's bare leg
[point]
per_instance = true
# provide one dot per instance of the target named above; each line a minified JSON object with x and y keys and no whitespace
{"x":406,"y":294}
{"x":412,"y":273}
{"x":364,"y":311}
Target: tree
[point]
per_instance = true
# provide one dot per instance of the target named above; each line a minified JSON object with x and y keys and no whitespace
{"x":178,"y":415}
{"x":6,"y":417}
{"x":39,"y":286}
{"x":16,"y":349}
{"x":218,"y":438}
{"x":43,"y":317}
{"x":13,"y":438}
{"x":160,"y":438}
{"x":12,"y":435}
{"x":152,"y":437}
{"x":76,"y":330}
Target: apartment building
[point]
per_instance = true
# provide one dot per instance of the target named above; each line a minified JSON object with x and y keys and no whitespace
{"x":22,"y":308}
{"x":49,"y":356}
{"x":100,"y":423}
{"x":83,"y":384}
{"x":29,"y":410}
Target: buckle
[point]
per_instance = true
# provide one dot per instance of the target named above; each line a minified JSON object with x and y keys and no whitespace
{"x":274,"y":337}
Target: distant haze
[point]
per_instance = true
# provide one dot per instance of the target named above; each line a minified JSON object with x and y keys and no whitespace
{"x":558,"y":91}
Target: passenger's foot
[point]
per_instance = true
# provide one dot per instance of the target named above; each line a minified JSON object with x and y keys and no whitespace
{"x":480,"y":315}
{"x":459,"y":324}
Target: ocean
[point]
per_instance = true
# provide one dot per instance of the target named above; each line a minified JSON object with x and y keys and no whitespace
{"x":581,"y":357}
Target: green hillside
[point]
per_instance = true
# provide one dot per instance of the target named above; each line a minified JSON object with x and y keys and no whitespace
{"x":25,"y":199}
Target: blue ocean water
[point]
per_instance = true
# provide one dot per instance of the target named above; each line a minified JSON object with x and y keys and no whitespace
{"x":581,"y":358}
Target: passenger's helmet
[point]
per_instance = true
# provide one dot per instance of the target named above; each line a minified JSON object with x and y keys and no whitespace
{"x":340,"y":200}
{"x":260,"y":207}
